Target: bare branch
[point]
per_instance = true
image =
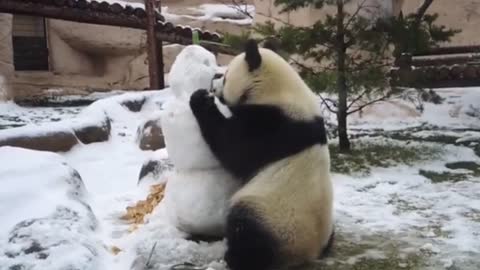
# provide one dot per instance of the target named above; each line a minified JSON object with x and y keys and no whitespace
{"x":354,"y":15}
{"x":422,"y":10}
{"x":357,"y":99}
{"x":325,"y":101}
{"x":237,"y":6}
{"x":275,"y":19}
{"x":359,"y":108}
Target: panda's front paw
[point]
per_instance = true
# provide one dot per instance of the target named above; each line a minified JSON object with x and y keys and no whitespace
{"x":201,"y":100}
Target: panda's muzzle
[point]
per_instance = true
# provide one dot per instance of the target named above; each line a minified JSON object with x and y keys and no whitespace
{"x":222,"y":99}
{"x":217,"y":85}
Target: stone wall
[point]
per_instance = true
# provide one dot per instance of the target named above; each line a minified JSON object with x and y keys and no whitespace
{"x":458,"y":14}
{"x":265,"y":10}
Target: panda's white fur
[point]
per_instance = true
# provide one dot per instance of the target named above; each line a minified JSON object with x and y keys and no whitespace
{"x":283,"y":214}
{"x":274,"y":83}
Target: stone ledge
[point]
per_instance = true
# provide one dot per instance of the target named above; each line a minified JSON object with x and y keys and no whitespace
{"x":61,"y":140}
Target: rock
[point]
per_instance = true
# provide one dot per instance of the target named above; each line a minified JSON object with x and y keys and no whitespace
{"x":49,"y":225}
{"x":150,"y":136}
{"x":55,"y":138}
{"x":155,"y":167}
{"x":94,"y":133}
{"x":134,"y":105}
{"x":55,"y":141}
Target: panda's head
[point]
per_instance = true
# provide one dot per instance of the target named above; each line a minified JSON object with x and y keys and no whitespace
{"x":262,"y":77}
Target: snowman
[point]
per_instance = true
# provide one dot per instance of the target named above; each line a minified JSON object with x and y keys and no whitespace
{"x":198,"y":192}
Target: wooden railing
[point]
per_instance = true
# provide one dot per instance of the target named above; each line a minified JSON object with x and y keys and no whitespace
{"x":438,"y":68}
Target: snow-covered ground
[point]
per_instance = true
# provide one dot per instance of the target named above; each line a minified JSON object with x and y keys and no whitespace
{"x":416,"y":207}
{"x":392,"y":212}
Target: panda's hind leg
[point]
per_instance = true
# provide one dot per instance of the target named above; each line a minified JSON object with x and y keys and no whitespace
{"x":250,"y":245}
{"x":326,"y":251}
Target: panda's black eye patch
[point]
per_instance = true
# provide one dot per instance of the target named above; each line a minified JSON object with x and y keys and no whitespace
{"x":217,"y":76}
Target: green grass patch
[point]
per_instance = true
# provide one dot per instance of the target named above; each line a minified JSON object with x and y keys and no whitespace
{"x":473,"y":169}
{"x":350,"y":255}
{"x":382,"y":153}
{"x":440,"y":177}
{"x":466,"y":165}
{"x":437,"y":138}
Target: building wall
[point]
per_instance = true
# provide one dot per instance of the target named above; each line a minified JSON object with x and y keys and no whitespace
{"x":82,"y":58}
{"x":458,"y":14}
{"x":265,"y":10}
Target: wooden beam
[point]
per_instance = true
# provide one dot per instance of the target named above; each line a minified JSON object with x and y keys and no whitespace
{"x":161,"y":78}
{"x":152,"y":48}
{"x":76,"y":11}
{"x":71,"y":14}
{"x":469,"y":49}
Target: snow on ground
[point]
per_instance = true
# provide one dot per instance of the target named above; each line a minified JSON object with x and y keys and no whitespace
{"x":46,"y":219}
{"x":404,"y":207}
{"x":230,"y":13}
{"x":393,"y":210}
{"x":15,"y":116}
{"x":212,"y":12}
{"x":235,"y":14}
{"x":460,"y":109}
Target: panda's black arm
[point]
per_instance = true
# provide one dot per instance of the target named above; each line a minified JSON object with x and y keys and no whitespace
{"x":254,"y":136}
{"x":258,"y":135}
{"x":209,"y":117}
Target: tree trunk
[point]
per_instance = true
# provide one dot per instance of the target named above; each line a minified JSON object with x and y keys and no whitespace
{"x":418,"y":20}
{"x":344,"y":143}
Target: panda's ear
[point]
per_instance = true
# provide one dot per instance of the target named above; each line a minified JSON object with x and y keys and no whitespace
{"x":252,"y":55}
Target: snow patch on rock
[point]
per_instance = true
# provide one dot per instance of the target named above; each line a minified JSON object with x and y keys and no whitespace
{"x":47,"y":222}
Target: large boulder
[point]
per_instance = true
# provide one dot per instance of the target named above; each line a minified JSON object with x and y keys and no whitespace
{"x":58,"y":136}
{"x":155,"y":167}
{"x":54,"y":141}
{"x":150,"y":135}
{"x":46,"y":220}
{"x":92,"y":133}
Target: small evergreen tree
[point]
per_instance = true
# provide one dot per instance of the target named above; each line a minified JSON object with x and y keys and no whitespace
{"x":349,"y":55}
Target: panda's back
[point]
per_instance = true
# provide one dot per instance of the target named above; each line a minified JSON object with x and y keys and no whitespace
{"x":292,"y":199}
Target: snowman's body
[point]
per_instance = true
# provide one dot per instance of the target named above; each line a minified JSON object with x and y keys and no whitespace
{"x":198,"y":192}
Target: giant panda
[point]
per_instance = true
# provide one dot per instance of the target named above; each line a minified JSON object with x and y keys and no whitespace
{"x":275,"y":143}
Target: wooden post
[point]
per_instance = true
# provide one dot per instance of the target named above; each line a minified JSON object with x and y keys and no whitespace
{"x":161,"y":78}
{"x":152,"y":48}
